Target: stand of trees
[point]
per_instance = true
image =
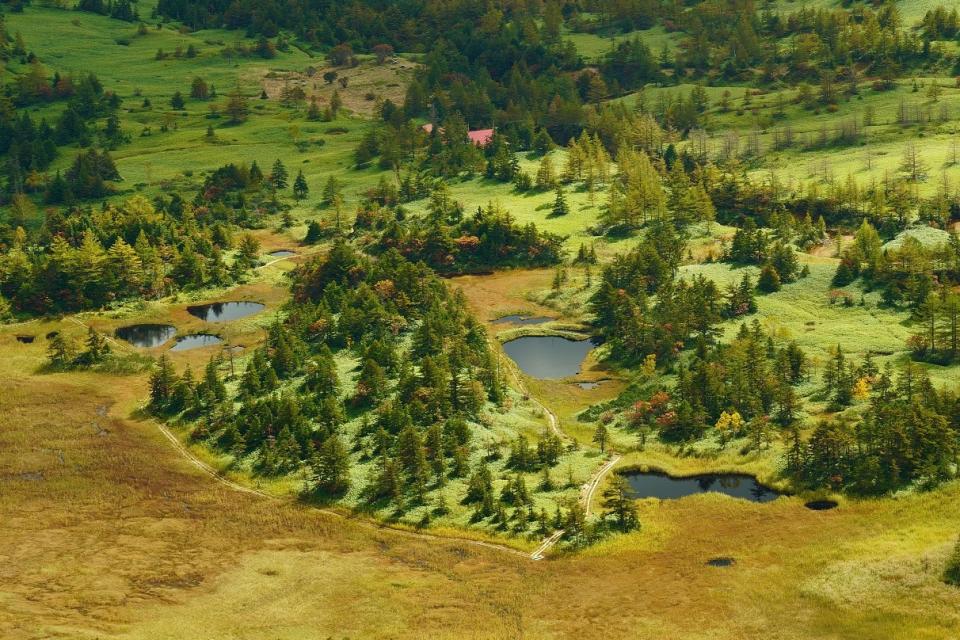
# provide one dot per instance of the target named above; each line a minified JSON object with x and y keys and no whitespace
{"x":642,"y":308}
{"x":909,"y":274}
{"x":85,"y":258}
{"x":425,"y":376}
{"x":488,"y":239}
{"x":907,"y":435}
{"x":29,"y":147}
{"x":745,"y":387}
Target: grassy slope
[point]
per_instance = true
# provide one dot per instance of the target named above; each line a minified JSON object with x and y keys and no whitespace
{"x":592,"y":46}
{"x":180,"y":156}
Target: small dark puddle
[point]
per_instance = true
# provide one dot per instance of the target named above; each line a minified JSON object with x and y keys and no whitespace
{"x":548,"y":357}
{"x":26,"y":339}
{"x":282,"y":253}
{"x":664,"y":487}
{"x":146,"y":336}
{"x":224,"y":311}
{"x":195,"y":341}
{"x":821,"y":505}
{"x":721,"y":562}
{"x":522,"y":320}
{"x":52,"y":335}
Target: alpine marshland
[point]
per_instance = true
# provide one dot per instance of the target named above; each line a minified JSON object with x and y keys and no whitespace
{"x":461,"y":319}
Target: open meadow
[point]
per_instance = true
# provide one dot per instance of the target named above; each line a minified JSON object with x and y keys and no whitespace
{"x":709,"y":244}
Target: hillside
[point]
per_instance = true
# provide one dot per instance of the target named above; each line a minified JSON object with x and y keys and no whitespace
{"x":293,"y":346}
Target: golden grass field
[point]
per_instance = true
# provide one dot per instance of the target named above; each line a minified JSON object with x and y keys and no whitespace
{"x":109,"y":532}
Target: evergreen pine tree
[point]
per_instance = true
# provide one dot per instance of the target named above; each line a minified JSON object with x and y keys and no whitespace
{"x":618,"y":504}
{"x":300,"y":188}
{"x":560,"y":207}
{"x":278,"y":175}
{"x":331,"y":467}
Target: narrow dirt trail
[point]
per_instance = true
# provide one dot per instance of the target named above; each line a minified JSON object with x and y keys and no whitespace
{"x":586,"y":496}
{"x":589,"y":488}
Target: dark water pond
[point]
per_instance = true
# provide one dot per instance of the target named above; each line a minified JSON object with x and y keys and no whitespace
{"x":721,"y":562}
{"x":821,"y":505}
{"x":146,"y":336}
{"x":548,"y":356}
{"x":195,"y":341}
{"x":282,"y":253}
{"x":224,"y":311}
{"x":26,"y":339}
{"x":664,"y":487}
{"x":522,"y":320}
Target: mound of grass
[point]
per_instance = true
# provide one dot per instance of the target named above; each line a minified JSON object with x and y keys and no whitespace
{"x":927,"y":236}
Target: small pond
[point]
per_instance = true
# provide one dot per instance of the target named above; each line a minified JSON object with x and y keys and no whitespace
{"x":146,"y":336}
{"x":722,"y":561}
{"x":282,"y":253}
{"x":588,"y":386}
{"x":26,"y":339}
{"x":195,"y":341}
{"x":821,"y":505}
{"x":224,"y":311}
{"x":548,"y":357}
{"x":522,"y":320}
{"x":664,"y":487}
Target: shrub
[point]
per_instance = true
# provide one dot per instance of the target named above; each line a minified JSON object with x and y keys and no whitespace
{"x":951,"y":574}
{"x":769,"y":279}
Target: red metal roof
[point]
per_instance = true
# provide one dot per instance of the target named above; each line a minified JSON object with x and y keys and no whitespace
{"x":481,"y":137}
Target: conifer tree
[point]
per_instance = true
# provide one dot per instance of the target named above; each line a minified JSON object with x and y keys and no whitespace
{"x":61,"y":351}
{"x":546,"y":177}
{"x":600,"y":436}
{"x":238,"y":107}
{"x":314,"y":233}
{"x":560,"y":207}
{"x":769,"y":280}
{"x":162,"y":381}
{"x":331,"y":467}
{"x":278,"y":175}
{"x":300,"y":188}
{"x":619,"y":504}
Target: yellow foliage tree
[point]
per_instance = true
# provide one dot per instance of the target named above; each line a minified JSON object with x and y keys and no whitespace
{"x":650,"y":364}
{"x":729,"y":424}
{"x":861,"y":389}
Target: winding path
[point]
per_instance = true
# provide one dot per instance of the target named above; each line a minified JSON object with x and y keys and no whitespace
{"x":275,"y":261}
{"x":587,"y":489}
